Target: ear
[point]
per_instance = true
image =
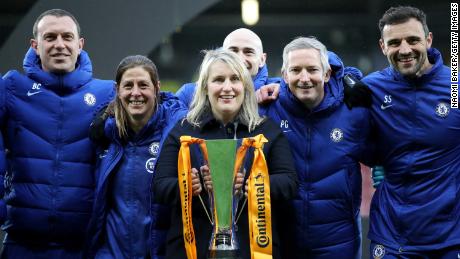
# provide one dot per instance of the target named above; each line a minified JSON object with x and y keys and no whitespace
{"x":81,"y":43}
{"x":284,"y":74}
{"x":34,"y":45}
{"x":429,"y":40}
{"x":382,"y":46}
{"x":263,"y":58}
{"x":327,"y":76}
{"x":157,"y":87}
{"x":117,"y":87}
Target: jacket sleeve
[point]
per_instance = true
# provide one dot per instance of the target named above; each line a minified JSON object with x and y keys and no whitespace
{"x":186,"y":93}
{"x":2,"y":151}
{"x":283,"y":177}
{"x":355,"y":72}
{"x":161,"y":216}
{"x":175,"y":109}
{"x":165,"y":186}
{"x":161,"y":213}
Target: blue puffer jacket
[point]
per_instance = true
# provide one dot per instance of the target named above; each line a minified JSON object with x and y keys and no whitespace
{"x":416,"y":207}
{"x":2,"y":156}
{"x":187,"y":91}
{"x":126,"y":223}
{"x":49,"y":181}
{"x":327,"y":144}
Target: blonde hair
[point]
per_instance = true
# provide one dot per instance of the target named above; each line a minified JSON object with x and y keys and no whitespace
{"x":200,"y":106}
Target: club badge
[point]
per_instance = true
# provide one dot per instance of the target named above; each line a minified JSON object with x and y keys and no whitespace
{"x":154,"y":148}
{"x":378,"y":252}
{"x":336,"y":135}
{"x":442,"y":110}
{"x":89,"y":99}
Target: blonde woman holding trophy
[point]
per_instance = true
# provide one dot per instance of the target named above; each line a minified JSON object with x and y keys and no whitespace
{"x":225,"y":170}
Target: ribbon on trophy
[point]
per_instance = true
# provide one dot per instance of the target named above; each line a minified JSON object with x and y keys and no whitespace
{"x":184,"y":168}
{"x":259,"y":209}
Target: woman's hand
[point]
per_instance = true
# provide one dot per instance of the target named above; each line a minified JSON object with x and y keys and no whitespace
{"x":196,"y":185}
{"x":206,"y":177}
{"x":239,"y":179}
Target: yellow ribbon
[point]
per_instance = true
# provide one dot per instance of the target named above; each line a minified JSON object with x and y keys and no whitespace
{"x":184,"y":169}
{"x":259,"y":209}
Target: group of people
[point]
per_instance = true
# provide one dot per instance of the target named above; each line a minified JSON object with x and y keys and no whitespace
{"x":117,"y":195}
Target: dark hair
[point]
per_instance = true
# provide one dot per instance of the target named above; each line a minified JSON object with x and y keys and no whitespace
{"x":137,"y":61}
{"x":56,"y":13}
{"x":121,"y":115}
{"x":401,"y":14}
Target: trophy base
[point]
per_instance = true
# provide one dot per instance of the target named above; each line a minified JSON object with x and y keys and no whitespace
{"x":224,"y":248}
{"x":224,"y":254}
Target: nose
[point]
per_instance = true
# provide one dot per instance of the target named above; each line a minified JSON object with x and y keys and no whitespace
{"x":304,"y":76}
{"x":227,"y":85}
{"x":59,"y":42}
{"x":136,"y":91}
{"x":404,"y":48}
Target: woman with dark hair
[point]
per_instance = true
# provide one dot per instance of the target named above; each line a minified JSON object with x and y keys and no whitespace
{"x":125,"y":223}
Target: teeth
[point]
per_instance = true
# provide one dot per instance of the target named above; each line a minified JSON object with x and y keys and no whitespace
{"x":226,"y":96}
{"x":136,"y":102}
{"x":406,"y":59}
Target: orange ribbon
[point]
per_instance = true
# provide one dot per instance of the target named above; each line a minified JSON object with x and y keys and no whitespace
{"x":184,"y":169}
{"x":259,"y":209}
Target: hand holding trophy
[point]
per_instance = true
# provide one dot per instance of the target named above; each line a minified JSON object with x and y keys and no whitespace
{"x":239,"y":180}
{"x":206,"y":177}
{"x":196,"y":184}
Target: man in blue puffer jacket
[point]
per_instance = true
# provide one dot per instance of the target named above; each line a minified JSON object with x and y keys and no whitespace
{"x":249,"y":47}
{"x":2,"y":159}
{"x":126,"y":168}
{"x":327,"y":141}
{"x":415,"y":212}
{"x":46,"y":113}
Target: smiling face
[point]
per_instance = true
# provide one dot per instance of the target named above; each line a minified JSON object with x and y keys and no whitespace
{"x":305,"y":76}
{"x":248,"y":46}
{"x":225,"y":91}
{"x":405,"y":46}
{"x":58,"y":44}
{"x":137,"y":94}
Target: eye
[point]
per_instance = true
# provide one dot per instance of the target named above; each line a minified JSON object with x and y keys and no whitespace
{"x":218,"y":79}
{"x":49,"y":37}
{"x":313,"y":70}
{"x":413,"y":40}
{"x":127,"y":85}
{"x":68,"y":36}
{"x":249,"y":52}
{"x":233,"y":49}
{"x":144,"y":85}
{"x":235,"y":78}
{"x":294,"y":70}
{"x":394,"y":43}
